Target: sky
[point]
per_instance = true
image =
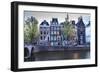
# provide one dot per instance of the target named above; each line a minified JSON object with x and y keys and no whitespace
{"x":41,"y":16}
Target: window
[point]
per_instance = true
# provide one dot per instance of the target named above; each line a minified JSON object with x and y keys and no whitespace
{"x":44,"y":37}
{"x":44,"y":32}
{"x":59,"y":43}
{"x":41,"y":32}
{"x":81,"y":39}
{"x":58,"y":37}
{"x":53,"y":23}
{"x":56,"y":43}
{"x":41,"y":37}
{"x":55,"y":38}
{"x":57,"y":32}
{"x":51,"y":38}
{"x":54,"y":32}
{"x":40,"y":27}
{"x":51,"y":32}
{"x":44,"y":27}
{"x":54,"y":28}
{"x":56,"y":23}
{"x":57,"y":28}
{"x":62,"y":26}
{"x":47,"y":32}
{"x":51,"y":27}
{"x":51,"y":43}
{"x":48,"y":38}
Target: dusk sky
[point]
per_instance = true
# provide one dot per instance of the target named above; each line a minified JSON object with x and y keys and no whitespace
{"x":40,"y":16}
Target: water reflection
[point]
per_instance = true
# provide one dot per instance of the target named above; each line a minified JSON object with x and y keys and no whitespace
{"x":76,"y":56}
{"x":59,"y":55}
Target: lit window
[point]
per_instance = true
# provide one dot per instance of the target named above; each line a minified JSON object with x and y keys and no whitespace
{"x":51,"y":43}
{"x":57,"y":32}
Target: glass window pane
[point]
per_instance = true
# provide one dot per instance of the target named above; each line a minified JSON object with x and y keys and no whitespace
{"x":51,"y":43}
{"x":54,"y":37}
{"x":51,"y":38}
{"x":51,"y":32}
{"x":54,"y":32}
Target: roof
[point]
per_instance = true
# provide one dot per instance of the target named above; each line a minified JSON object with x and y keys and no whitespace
{"x":80,"y":22}
{"x":44,"y":23}
{"x":55,"y":20}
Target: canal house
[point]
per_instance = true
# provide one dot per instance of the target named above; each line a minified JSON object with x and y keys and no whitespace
{"x":56,"y":37}
{"x":81,"y":31}
{"x":52,"y":34}
{"x":44,"y":33}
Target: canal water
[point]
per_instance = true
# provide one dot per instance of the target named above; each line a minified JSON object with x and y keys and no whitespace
{"x":59,"y":55}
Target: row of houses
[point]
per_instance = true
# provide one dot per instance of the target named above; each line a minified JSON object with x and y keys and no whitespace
{"x":52,"y":34}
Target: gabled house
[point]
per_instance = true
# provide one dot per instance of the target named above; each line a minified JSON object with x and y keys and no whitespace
{"x":44,"y":33}
{"x":56,"y":37}
{"x":81,"y":31}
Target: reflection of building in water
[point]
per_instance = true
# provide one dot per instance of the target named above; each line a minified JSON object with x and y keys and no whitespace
{"x":76,"y":56}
